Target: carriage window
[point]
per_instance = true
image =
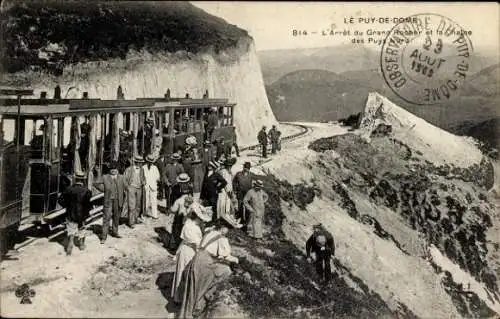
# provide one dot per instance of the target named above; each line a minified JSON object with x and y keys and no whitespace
{"x":55,"y":133}
{"x":67,"y":130}
{"x":29,"y":130}
{"x":8,"y":130}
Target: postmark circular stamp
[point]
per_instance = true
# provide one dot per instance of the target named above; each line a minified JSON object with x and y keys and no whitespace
{"x":425,"y":58}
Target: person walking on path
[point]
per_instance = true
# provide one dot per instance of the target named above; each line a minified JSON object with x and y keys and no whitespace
{"x":134,"y":180}
{"x":242,"y":183}
{"x":262,"y":138}
{"x":113,"y":186}
{"x":191,"y":236}
{"x":171,"y":171}
{"x":255,"y":203}
{"x":152,"y":175}
{"x":76,"y":200}
{"x":320,"y":247}
{"x":274,"y":136}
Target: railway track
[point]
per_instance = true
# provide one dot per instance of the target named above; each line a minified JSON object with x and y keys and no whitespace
{"x":59,"y":229}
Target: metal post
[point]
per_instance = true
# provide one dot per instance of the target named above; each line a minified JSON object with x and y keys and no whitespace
{"x":18,"y":137}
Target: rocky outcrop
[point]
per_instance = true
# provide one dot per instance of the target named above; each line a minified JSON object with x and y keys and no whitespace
{"x":418,"y":134}
{"x":441,"y":202}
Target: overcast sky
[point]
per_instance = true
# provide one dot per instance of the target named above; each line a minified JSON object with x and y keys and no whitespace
{"x":271,"y":23}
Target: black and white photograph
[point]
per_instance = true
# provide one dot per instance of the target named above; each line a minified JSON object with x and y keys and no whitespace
{"x":239,"y":159}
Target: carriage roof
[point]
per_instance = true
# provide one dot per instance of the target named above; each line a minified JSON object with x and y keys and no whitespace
{"x":68,"y":107}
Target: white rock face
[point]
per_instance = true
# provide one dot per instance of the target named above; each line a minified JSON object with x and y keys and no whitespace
{"x":234,"y":74}
{"x":437,"y":145}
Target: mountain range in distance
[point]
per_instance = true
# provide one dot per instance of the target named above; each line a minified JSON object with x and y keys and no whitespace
{"x":328,"y":84}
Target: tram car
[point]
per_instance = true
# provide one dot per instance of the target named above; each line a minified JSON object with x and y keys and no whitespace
{"x":44,"y":141}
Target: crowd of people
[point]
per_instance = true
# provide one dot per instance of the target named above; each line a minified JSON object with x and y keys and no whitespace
{"x":205,"y":199}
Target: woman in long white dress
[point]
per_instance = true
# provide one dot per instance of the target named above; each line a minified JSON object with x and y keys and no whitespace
{"x":191,"y":236}
{"x":227,"y":202}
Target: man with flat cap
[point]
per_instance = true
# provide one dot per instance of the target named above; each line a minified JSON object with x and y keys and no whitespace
{"x":134,"y":180}
{"x":320,"y":248}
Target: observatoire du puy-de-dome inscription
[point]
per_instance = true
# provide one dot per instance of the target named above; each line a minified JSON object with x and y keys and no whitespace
{"x":370,"y":31}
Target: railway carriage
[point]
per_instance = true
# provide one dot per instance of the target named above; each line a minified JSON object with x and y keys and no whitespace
{"x":44,"y":141}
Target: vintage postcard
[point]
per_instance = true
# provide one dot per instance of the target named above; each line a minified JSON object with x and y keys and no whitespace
{"x":164,"y":159}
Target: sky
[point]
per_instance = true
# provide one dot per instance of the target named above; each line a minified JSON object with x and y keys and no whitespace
{"x":271,"y":23}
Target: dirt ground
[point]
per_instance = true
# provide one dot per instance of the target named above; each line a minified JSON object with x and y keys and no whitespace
{"x":120,"y":278}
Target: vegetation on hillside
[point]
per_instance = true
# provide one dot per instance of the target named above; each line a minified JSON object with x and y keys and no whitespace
{"x":447,"y":205}
{"x":275,"y":270}
{"x":47,"y":35}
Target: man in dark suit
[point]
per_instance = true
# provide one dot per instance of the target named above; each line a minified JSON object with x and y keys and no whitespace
{"x":262,"y":138}
{"x":113,"y":186}
{"x":76,"y":200}
{"x":321,"y":244}
{"x":213,"y":184}
{"x":242,"y":183}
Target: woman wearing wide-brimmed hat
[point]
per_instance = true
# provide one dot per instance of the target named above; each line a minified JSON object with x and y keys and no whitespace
{"x":227,"y":203}
{"x":255,"y":204}
{"x":180,"y":210}
{"x":183,"y":186}
{"x":191,"y":236}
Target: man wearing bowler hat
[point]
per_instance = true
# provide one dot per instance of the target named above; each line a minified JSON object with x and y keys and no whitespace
{"x":76,"y":200}
{"x":113,"y":186}
{"x":134,"y":180}
{"x":262,"y":138}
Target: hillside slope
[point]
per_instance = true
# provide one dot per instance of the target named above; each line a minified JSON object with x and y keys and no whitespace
{"x":315,"y":95}
{"x":146,"y":47}
{"x":419,"y":236}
